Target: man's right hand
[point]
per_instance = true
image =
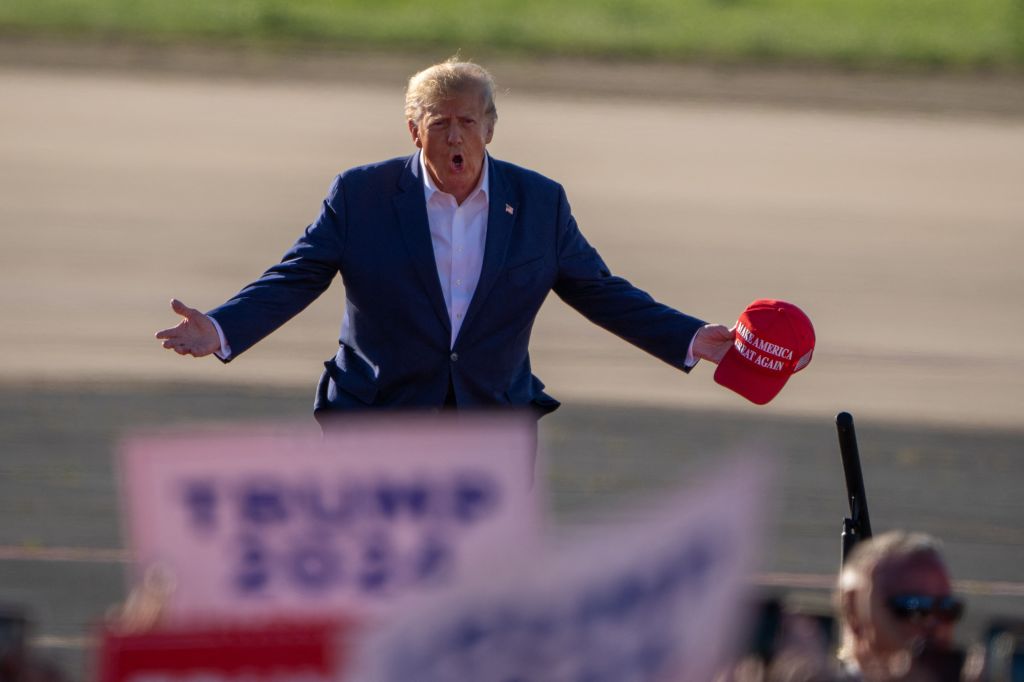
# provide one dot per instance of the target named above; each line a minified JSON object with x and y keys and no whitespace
{"x":713,"y":341}
{"x":195,"y":335}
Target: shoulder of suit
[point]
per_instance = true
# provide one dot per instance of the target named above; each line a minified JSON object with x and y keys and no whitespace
{"x":524,"y":177}
{"x":381,"y":169}
{"x":370,"y":178}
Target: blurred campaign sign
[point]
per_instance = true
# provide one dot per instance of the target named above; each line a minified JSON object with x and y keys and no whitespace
{"x":650,"y":600}
{"x":278,"y":652}
{"x":252,"y":523}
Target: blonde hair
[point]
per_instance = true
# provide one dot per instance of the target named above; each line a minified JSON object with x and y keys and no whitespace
{"x":444,"y":81}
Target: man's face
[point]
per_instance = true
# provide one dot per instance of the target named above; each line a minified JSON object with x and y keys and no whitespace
{"x":893,"y":629}
{"x":453,"y":136}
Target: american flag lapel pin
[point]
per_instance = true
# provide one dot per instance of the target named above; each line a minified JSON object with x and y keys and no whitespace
{"x":509,"y":209}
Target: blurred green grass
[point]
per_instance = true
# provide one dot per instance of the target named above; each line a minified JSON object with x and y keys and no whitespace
{"x":942,"y":34}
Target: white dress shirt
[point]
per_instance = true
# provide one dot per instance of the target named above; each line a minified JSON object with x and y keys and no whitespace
{"x":458,"y":233}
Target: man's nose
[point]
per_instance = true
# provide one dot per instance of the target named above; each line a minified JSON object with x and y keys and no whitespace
{"x":455,"y":134}
{"x":937,"y":632}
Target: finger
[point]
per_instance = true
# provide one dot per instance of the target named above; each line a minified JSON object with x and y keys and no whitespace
{"x":183,"y":310}
{"x":169,"y":333}
{"x":177,"y":345}
{"x":721,"y":333}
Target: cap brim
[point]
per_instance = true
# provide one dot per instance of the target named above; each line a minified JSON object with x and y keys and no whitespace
{"x":757,"y":386}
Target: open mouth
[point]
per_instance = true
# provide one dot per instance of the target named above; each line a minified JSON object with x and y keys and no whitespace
{"x":458,"y":163}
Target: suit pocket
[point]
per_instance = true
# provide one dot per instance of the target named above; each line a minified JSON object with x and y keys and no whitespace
{"x":352,"y":375}
{"x":536,"y":398}
{"x":523,"y":273}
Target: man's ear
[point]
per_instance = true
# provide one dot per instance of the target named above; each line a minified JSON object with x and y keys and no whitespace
{"x":490,"y":132}
{"x":415,"y":132}
{"x":850,"y":612}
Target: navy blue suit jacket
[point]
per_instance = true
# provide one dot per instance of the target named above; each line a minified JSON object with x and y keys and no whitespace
{"x":396,"y":352}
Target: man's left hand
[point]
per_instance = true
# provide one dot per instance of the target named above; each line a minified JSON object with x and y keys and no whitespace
{"x":712,"y":342}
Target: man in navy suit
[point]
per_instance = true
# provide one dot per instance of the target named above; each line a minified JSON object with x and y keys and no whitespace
{"x":446,"y":257}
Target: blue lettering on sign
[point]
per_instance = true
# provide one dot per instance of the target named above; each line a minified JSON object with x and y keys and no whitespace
{"x":466,"y":497}
{"x":378,"y":561}
{"x":625,"y":597}
{"x":692,"y":567}
{"x":475,"y":498}
{"x":615,"y":602}
{"x":622,"y":628}
{"x":253,"y":570}
{"x":436,"y":561}
{"x":393,"y":498}
{"x":366,"y":563}
{"x":336,"y":507}
{"x":201,"y":502}
{"x":370,"y":535}
{"x":263,"y":503}
{"x":314,"y":566}
{"x":468,"y":634}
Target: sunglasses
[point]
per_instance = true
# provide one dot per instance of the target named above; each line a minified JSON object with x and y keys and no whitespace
{"x":918,"y":607}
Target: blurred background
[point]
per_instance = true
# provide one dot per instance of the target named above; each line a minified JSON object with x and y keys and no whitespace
{"x":863,"y":160}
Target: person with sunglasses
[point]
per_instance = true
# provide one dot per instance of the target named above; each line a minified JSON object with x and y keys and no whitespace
{"x":896,"y":607}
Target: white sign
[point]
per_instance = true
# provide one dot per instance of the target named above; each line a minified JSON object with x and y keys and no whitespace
{"x":654,"y":600}
{"x":274,"y":523}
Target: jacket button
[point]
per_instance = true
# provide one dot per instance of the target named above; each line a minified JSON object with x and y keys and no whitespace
{"x":455,"y":357}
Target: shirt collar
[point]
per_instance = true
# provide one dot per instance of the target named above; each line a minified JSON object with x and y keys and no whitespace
{"x":483,"y":186}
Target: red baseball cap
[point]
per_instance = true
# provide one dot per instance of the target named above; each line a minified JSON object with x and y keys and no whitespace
{"x":774,"y":340}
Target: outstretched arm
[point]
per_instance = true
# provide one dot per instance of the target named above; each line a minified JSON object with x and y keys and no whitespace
{"x":264,"y":305}
{"x":586,"y":283}
{"x":195,"y":335}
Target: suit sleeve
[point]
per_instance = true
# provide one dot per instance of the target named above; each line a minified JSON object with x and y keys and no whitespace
{"x":611,"y":302}
{"x":286,"y":289}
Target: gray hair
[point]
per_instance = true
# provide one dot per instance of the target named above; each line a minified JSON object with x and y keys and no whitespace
{"x":859,"y":570}
{"x":888,"y":547}
{"x":443,"y":81}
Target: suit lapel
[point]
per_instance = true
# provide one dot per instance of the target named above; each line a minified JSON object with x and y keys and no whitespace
{"x":501,"y":218}
{"x":411,"y":207}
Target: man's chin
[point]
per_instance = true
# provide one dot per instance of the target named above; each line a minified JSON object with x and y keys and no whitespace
{"x":456,"y":183}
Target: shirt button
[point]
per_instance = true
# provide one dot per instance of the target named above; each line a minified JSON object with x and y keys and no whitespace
{"x":455,"y":357}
